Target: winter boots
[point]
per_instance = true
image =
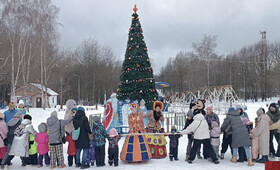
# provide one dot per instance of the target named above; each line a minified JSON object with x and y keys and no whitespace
{"x":264,"y":158}
{"x":233,"y":159}
{"x":198,"y":156}
{"x":187,"y":157}
{"x":250,"y":162}
{"x":222,"y":156}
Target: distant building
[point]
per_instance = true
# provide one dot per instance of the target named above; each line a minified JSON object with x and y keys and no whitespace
{"x":34,"y":93}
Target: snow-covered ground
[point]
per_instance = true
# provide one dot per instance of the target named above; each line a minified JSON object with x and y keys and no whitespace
{"x":40,"y":115}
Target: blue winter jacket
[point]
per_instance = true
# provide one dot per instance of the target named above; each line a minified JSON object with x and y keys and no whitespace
{"x":99,"y":134}
{"x":9,"y":114}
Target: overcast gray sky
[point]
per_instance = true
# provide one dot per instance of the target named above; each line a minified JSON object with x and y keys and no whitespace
{"x":169,"y":25}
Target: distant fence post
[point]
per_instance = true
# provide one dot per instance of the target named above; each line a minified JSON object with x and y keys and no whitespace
{"x":168,"y":124}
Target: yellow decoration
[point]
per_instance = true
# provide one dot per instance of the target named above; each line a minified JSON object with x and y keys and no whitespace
{"x":129,"y":58}
{"x":148,"y":60}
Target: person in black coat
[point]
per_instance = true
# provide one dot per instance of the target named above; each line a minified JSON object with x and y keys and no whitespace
{"x":173,"y":144}
{"x":82,"y":143}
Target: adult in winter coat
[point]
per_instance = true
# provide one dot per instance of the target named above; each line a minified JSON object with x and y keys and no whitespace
{"x":200,"y":128}
{"x":20,"y":145}
{"x":12,"y":125}
{"x":3,"y":136}
{"x":69,"y":113}
{"x":240,"y":135}
{"x":262,"y":131}
{"x":211,"y":116}
{"x":56,"y":133}
{"x":9,"y":114}
{"x":173,"y":144}
{"x":274,"y":115}
{"x":82,"y":143}
{"x":189,"y":120}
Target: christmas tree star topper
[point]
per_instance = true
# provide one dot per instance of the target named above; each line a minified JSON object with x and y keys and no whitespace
{"x":135,"y":9}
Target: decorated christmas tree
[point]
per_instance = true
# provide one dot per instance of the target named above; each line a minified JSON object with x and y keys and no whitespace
{"x":137,"y":79}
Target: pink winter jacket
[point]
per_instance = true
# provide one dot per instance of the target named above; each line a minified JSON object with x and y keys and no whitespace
{"x":43,"y":143}
{"x":3,"y":132}
{"x":255,"y":145}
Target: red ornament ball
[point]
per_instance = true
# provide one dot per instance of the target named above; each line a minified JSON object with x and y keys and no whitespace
{"x":128,"y":69}
{"x":140,"y":80}
{"x":140,"y":29}
{"x":138,"y":35}
{"x":150,"y":70}
{"x":153,"y":90}
{"x":131,"y":28}
{"x":129,"y":48}
{"x":138,"y":65}
{"x":145,"y":49}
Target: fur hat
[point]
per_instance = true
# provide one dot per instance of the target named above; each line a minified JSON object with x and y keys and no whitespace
{"x":2,"y":115}
{"x":210,"y":108}
{"x":81,"y":108}
{"x":42,"y":128}
{"x":54,"y":113}
{"x":96,"y":119}
{"x":12,"y":105}
{"x":27,"y":117}
{"x":260,"y":111}
{"x":113,"y":132}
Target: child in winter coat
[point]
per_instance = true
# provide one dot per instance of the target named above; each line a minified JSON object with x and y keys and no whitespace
{"x":91,"y":151}
{"x":3,"y":137}
{"x":173,"y":144}
{"x":72,"y":150}
{"x":42,"y":138}
{"x":255,"y":142}
{"x":215,"y":136}
{"x":99,"y":136}
{"x":113,"y":149}
{"x":33,"y":155}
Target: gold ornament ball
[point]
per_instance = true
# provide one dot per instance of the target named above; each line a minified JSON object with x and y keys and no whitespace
{"x":131,"y":39}
{"x":148,"y":60}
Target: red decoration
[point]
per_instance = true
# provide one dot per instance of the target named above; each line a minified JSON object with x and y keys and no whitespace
{"x":138,"y":35}
{"x":145,"y":49}
{"x":135,"y":9}
{"x":150,"y":70}
{"x":153,"y":90}
{"x":129,"y":48}
{"x":128,"y":69}
{"x":140,"y":29}
{"x":140,"y":80}
{"x":138,"y":65}
{"x":131,"y":28}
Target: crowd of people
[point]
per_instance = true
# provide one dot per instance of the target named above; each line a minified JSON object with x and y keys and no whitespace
{"x":86,"y":145}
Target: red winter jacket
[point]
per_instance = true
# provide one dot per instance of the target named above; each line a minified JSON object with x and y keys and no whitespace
{"x":71,"y":146}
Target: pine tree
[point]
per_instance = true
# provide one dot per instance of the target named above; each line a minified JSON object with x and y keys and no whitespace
{"x":137,"y":78}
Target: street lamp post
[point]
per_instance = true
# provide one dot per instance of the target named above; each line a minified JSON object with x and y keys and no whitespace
{"x":79,"y":84}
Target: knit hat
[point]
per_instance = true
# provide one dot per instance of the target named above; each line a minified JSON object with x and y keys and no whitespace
{"x":12,"y":105}
{"x":81,"y":108}
{"x":113,"y":132}
{"x":74,"y":109}
{"x":273,"y":105}
{"x":238,"y":107}
{"x":245,"y":120}
{"x":21,"y":102}
{"x":54,"y":113}
{"x":42,"y":128}
{"x":96,"y":119}
{"x":231,"y":109}
{"x":260,"y":111}
{"x":2,"y":115}
{"x":27,"y":117}
{"x":210,"y":108}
